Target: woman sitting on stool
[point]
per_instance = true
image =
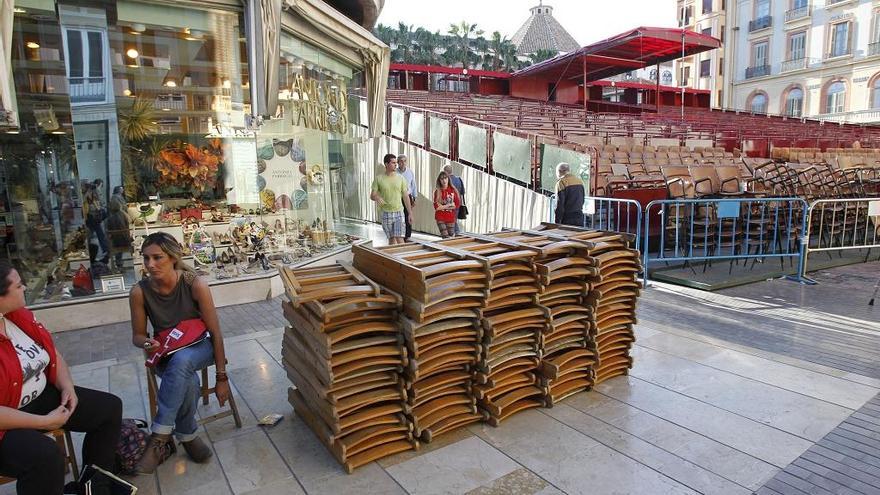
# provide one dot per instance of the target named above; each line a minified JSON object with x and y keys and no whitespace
{"x":37,"y":395}
{"x":168,"y":295}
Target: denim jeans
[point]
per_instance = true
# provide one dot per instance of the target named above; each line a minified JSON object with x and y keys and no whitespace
{"x":179,"y":390}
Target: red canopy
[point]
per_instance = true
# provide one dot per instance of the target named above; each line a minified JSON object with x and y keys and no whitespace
{"x":641,"y":47}
{"x":437,"y":69}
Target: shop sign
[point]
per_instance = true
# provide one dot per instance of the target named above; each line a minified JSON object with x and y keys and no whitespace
{"x":320,"y":105}
{"x":222,"y":131}
{"x":112,"y":283}
{"x":861,"y":79}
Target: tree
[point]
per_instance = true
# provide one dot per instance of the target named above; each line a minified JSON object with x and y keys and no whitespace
{"x":542,"y":55}
{"x":462,"y":33}
{"x":404,"y":41}
{"x":426,"y":47}
{"x":497,"y":47}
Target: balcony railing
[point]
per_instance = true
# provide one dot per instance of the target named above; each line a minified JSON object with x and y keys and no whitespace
{"x":834,"y":2}
{"x":874,"y":48}
{"x":758,"y":71}
{"x":857,"y":117}
{"x":799,"y":13}
{"x":760,"y":23}
{"x":794,"y":64}
{"x":87,"y":89}
{"x":839,"y":53}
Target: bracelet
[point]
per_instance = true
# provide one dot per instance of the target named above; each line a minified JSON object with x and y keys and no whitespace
{"x":221,"y":377}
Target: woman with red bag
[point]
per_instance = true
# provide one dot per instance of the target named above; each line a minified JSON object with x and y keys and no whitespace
{"x":446,"y":203}
{"x":169,"y":295}
{"x":38,"y":395}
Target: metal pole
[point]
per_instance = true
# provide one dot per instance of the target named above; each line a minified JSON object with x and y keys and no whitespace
{"x":657,"y":94}
{"x":683,"y":86}
{"x":584,"y":66}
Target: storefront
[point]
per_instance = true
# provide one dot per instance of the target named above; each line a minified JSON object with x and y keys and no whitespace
{"x":136,"y":117}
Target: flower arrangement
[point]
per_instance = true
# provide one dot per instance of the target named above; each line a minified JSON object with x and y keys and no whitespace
{"x":185,"y":165}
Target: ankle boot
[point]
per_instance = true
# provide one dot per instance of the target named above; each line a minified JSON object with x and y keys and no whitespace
{"x":159,"y":448}
{"x":197,"y":450}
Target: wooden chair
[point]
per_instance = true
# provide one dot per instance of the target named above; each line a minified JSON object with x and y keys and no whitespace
{"x":65,"y":444}
{"x":206,"y":391}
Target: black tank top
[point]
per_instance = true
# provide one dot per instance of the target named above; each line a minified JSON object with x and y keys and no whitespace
{"x":167,"y":311}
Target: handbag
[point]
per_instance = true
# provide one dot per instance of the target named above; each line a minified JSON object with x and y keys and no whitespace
{"x":95,"y":480}
{"x":82,"y":280}
{"x":186,"y":333}
{"x":462,"y":212}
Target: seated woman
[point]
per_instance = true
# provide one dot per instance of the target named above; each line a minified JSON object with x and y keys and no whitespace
{"x":38,"y":395}
{"x":446,"y":203}
{"x":169,"y":294}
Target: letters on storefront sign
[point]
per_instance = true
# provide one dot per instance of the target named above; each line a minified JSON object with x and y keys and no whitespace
{"x":319,"y":105}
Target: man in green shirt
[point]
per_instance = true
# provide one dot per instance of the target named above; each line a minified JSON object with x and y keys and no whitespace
{"x":391,"y":192}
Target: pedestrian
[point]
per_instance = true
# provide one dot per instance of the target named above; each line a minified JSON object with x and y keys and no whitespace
{"x":391,"y":192}
{"x":95,"y":213}
{"x":118,"y":230}
{"x":39,"y":395}
{"x":409,"y":176}
{"x":458,"y":184}
{"x":171,"y":296}
{"x":569,"y":197}
{"x":446,"y":203}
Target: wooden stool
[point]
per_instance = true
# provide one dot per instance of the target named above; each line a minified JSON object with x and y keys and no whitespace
{"x":65,"y":444}
{"x":153,"y":390}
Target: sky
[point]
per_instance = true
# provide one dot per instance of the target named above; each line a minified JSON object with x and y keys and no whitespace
{"x":587,"y":20}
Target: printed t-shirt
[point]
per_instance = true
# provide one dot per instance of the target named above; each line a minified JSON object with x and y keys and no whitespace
{"x":34,"y":360}
{"x":447,"y":196}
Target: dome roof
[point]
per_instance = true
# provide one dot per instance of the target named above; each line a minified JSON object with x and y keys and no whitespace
{"x":543,"y":32}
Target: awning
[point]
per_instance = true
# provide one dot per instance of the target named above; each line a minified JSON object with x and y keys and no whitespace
{"x":641,"y":47}
{"x":8,"y":112}
{"x":316,"y":22}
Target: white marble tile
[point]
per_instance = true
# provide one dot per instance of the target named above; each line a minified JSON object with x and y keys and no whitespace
{"x":246,"y":354}
{"x":125,"y":383}
{"x":456,"y":468}
{"x":703,"y":451}
{"x":250,"y":462}
{"x":96,"y":378}
{"x":758,"y":440}
{"x":104,"y":363}
{"x":179,"y":475}
{"x":287,"y":486}
{"x":794,"y":413}
{"x":681,"y":470}
{"x":570,"y":460}
{"x":807,"y":382}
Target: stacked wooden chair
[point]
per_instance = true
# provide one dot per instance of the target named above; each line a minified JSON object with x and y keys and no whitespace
{"x":443,"y":291}
{"x":513,"y":325}
{"x":613,"y":295}
{"x":345,"y":354}
{"x":568,"y":349}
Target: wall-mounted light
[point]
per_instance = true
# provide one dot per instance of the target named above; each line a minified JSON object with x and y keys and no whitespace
{"x":32,"y":44}
{"x":170,"y":83}
{"x":132,"y":53}
{"x":227,"y":83}
{"x":138,"y":28}
{"x":126,"y":92}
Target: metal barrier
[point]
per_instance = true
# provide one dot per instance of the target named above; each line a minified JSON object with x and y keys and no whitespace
{"x":841,"y":225}
{"x":728,"y":229}
{"x":610,"y":214}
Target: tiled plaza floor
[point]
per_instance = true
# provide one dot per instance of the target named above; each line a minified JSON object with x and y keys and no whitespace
{"x":772,"y":384}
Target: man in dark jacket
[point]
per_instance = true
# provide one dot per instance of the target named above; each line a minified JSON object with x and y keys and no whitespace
{"x":569,"y":197}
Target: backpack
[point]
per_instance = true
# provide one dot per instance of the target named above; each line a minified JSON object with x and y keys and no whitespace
{"x":132,"y":444}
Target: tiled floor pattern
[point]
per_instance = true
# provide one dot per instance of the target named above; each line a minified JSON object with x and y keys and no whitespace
{"x":697,"y":415}
{"x":846,"y":460}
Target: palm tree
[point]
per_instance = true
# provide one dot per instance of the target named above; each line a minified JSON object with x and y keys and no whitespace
{"x":507,"y":54}
{"x":136,"y":125}
{"x":462,"y":33}
{"x":404,"y":41}
{"x":542,"y":55}
{"x":497,"y":46}
{"x":384,"y":33}
{"x":426,"y":45}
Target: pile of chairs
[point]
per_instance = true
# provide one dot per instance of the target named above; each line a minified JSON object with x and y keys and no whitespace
{"x":444,"y":291}
{"x":344,"y":353}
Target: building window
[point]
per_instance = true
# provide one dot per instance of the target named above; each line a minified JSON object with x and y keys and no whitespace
{"x":797,"y":45}
{"x":721,"y":34}
{"x":835,"y":97}
{"x":721,"y":66}
{"x":799,"y":4}
{"x":720,"y":98}
{"x":707,"y":31}
{"x":875,"y":93}
{"x":758,"y":103}
{"x":759,"y":54}
{"x":839,"y":39}
{"x":794,"y":102}
{"x":705,"y":68}
{"x":707,"y":6}
{"x":686,"y":14}
{"x":85,"y":65}
{"x":685,"y":75}
{"x":762,"y":8}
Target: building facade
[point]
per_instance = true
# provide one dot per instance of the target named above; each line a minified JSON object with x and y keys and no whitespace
{"x":230,"y":125}
{"x":805,"y":58}
{"x":706,"y":70}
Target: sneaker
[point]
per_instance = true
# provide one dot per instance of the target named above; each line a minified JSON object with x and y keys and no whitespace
{"x":197,"y":450}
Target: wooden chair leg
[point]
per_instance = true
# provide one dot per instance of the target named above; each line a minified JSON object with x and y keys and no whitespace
{"x":152,"y":392}
{"x":206,"y":392}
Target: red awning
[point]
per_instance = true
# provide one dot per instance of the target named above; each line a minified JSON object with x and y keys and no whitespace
{"x":641,"y":47}
{"x":437,"y":69}
{"x":649,"y":86}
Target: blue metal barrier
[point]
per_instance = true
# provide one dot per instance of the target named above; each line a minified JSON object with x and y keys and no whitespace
{"x":610,"y":214}
{"x":728,"y":229}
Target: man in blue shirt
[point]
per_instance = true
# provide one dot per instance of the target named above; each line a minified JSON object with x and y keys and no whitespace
{"x":410,"y":179}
